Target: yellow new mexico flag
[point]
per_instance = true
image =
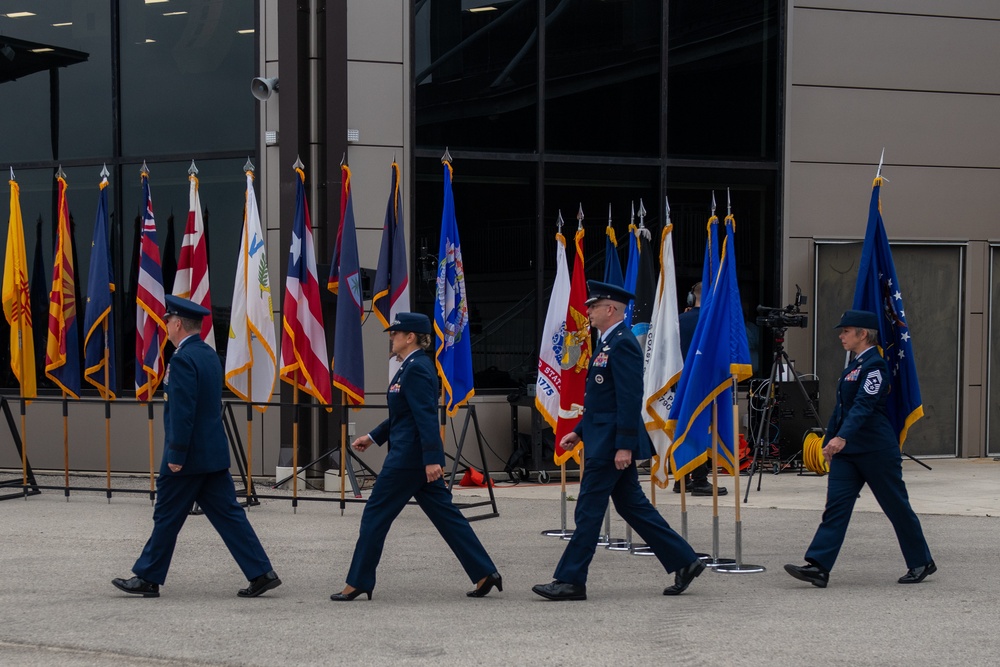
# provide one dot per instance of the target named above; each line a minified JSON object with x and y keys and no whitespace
{"x":16,"y":302}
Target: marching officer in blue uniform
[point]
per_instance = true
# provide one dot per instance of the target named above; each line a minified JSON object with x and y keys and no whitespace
{"x":412,"y":468}
{"x":611,"y":419}
{"x":862,"y":448}
{"x":195,"y":465}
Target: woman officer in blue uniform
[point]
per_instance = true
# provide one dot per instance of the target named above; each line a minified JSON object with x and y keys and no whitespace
{"x":861,"y":447}
{"x":412,"y":468}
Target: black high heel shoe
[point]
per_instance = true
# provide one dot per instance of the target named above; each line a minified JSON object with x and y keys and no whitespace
{"x":347,"y":597}
{"x":491,"y":580}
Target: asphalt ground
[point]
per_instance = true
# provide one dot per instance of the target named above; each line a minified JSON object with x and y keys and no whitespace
{"x":57,"y":606}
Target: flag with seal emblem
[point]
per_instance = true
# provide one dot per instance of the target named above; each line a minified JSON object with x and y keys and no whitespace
{"x":99,"y":322}
{"x":348,"y":363}
{"x":548,"y":385}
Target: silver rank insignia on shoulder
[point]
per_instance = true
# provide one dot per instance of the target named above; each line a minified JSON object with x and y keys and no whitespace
{"x":599,"y":379}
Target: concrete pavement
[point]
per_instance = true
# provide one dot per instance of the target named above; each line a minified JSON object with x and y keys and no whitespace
{"x":57,"y":605}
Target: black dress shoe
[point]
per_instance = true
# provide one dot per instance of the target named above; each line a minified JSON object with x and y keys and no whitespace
{"x":491,"y":580}
{"x":560,"y":590}
{"x":347,"y":597}
{"x":137,"y":586}
{"x":917,"y":574}
{"x":683,"y":578}
{"x":264,"y":582}
{"x":687,"y":485}
{"x":706,"y":490}
{"x":814,"y":574}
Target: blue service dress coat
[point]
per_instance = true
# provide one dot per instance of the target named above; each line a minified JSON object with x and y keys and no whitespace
{"x":871,"y":455}
{"x":611,"y":421}
{"x":414,"y":441}
{"x":195,"y":439}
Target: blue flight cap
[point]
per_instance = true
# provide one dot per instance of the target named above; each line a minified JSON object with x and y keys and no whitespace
{"x":417,"y":323}
{"x":598,"y":290}
{"x":858,"y":318}
{"x":184,"y":308}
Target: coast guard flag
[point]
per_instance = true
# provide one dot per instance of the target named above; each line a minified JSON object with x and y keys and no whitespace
{"x":392,"y":286}
{"x":348,"y":354}
{"x":191,"y":279}
{"x":451,"y":309}
{"x":16,"y":299}
{"x":720,"y":353}
{"x":62,"y":349}
{"x":548,"y":386}
{"x":150,"y":329}
{"x":663,"y":360}
{"x":99,"y":322}
{"x":878,"y":290}
{"x":303,"y":345}
{"x":250,"y":361}
{"x":575,"y":360}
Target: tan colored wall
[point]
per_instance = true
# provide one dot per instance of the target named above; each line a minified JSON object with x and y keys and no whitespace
{"x":918,"y":78}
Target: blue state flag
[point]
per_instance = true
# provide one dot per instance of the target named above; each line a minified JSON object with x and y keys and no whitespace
{"x":348,"y":353}
{"x":451,"y":310}
{"x":98,"y":322}
{"x":612,"y":265}
{"x":715,"y":358}
{"x":631,"y":271}
{"x":878,"y":290}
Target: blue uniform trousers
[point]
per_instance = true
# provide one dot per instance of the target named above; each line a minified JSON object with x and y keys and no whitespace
{"x":882,"y":470}
{"x":215,"y":494}
{"x":600,"y":480}
{"x":392,"y":491}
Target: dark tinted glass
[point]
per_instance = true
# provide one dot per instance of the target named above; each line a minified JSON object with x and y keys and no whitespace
{"x":476,"y":74}
{"x":722,"y":79}
{"x":66,"y":114}
{"x":186,"y":68}
{"x":602,"y":68}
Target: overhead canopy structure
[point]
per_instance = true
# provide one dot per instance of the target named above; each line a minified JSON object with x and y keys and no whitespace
{"x":19,"y":58}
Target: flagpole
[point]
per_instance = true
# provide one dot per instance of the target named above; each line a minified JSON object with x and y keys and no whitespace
{"x":295,"y":449}
{"x":149,"y":426}
{"x":65,"y":414}
{"x":343,"y":448}
{"x":738,"y":566}
{"x":24,"y":430}
{"x":249,"y":488}
{"x":248,"y":170}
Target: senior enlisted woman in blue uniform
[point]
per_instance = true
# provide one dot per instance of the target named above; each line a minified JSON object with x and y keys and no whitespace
{"x":611,"y":419}
{"x":862,"y":448}
{"x":195,"y":465}
{"x":412,"y":468}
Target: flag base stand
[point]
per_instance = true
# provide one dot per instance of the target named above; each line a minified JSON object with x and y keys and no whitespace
{"x":470,"y":414}
{"x":32,"y":488}
{"x":559,"y":532}
{"x":739,"y":567}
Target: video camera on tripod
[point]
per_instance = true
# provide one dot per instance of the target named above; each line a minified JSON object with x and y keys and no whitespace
{"x":783,"y":318}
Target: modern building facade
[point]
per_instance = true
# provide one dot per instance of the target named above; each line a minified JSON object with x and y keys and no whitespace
{"x":547,"y":107}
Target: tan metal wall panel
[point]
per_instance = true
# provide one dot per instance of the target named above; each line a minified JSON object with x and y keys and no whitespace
{"x":375,"y":30}
{"x":901,"y":52}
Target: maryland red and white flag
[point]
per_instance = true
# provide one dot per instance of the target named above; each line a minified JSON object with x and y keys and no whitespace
{"x":251,"y":366}
{"x":191,"y":281}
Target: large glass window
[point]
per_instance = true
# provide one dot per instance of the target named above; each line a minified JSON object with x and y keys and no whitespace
{"x":476,"y":73}
{"x":55,"y":69}
{"x":184,"y":66}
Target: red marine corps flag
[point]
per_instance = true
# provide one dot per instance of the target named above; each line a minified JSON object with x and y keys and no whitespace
{"x":576,"y":354}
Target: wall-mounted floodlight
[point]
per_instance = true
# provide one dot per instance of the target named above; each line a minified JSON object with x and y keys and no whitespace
{"x":262,"y":88}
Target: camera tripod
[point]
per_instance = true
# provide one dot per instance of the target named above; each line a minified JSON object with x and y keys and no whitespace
{"x":780,"y":359}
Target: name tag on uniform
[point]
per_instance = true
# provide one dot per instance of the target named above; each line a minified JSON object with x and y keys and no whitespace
{"x":601,"y":360}
{"x":394,"y":389}
{"x":853,"y":375}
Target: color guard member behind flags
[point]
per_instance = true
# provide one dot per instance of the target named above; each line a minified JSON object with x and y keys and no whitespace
{"x":195,"y":465}
{"x":611,"y":421}
{"x":862,"y":448}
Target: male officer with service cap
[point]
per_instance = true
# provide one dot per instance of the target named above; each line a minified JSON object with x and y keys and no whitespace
{"x":195,"y":466}
{"x":861,"y":447}
{"x":610,"y":423}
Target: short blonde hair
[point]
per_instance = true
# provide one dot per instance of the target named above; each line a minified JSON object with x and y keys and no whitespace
{"x":871,"y":335}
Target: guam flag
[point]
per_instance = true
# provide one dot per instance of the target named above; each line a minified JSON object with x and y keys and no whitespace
{"x":878,"y":291}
